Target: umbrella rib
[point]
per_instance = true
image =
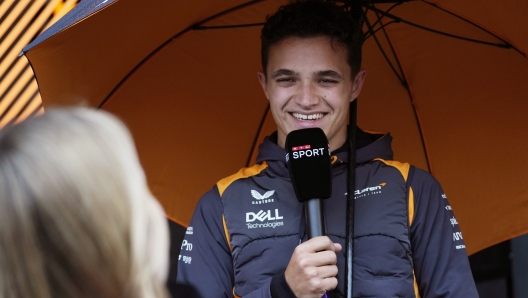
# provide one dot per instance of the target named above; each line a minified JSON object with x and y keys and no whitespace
{"x":402,"y":79}
{"x":380,"y":18}
{"x":401,"y":75}
{"x":398,"y":19}
{"x":382,"y":27}
{"x":227,"y":11}
{"x":405,"y":84}
{"x":257,"y":136}
{"x":478,"y":26}
{"x":163,"y":45}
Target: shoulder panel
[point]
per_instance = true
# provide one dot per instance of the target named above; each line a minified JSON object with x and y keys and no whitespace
{"x":243,"y":173}
{"x":403,"y":167}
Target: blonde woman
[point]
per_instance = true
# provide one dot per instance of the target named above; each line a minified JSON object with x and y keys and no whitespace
{"x":76,"y":216}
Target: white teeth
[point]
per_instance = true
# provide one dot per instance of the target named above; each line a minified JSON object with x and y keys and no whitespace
{"x":308,"y":117}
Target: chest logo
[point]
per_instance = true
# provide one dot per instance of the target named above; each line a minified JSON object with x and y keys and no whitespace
{"x":263,"y":215}
{"x":368,"y":191}
{"x":262,"y":199}
{"x":264,"y":219}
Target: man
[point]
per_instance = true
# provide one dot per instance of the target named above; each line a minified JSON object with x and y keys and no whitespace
{"x":248,"y":233}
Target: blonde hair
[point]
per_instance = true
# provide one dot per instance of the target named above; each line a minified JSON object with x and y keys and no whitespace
{"x":77,"y":218}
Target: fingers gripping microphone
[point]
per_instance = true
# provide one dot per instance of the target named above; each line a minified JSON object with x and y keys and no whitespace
{"x":308,"y":158}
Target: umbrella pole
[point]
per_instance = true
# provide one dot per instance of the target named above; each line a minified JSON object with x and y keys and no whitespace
{"x":350,"y":197}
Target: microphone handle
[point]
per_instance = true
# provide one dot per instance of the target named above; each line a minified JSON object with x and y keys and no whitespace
{"x":313,"y":210}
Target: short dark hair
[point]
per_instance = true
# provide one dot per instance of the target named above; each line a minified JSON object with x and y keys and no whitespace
{"x":312,"y":18}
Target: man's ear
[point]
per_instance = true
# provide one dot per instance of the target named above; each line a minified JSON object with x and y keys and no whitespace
{"x":357,"y":85}
{"x":262,"y":80}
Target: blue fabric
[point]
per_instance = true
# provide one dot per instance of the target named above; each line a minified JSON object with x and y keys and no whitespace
{"x":81,"y":11}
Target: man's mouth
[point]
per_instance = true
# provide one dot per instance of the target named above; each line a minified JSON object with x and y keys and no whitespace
{"x":305,"y":117}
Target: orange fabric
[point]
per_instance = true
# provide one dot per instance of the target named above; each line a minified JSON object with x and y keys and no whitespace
{"x":235,"y":295}
{"x":226,"y":232}
{"x":416,"y":289}
{"x":411,"y":206}
{"x":224,"y":183}
{"x":400,"y":166}
{"x":243,"y":173}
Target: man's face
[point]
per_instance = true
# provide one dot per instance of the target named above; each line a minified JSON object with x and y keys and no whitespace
{"x":309,"y":84}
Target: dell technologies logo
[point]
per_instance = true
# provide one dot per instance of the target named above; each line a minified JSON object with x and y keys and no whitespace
{"x":262,"y":216}
{"x":267,"y":219}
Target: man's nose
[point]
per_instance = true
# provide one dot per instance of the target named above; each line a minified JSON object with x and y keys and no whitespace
{"x":307,"y":95}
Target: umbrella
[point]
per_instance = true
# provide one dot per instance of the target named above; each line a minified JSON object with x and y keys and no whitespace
{"x":449,"y":85}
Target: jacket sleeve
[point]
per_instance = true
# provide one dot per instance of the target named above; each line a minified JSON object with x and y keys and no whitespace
{"x":205,"y":268}
{"x":440,"y":260}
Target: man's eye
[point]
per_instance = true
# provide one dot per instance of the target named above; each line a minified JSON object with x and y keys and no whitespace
{"x":327,"y":81}
{"x":286,"y":80}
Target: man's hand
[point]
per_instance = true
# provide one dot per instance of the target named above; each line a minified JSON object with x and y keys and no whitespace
{"x":312,"y":269}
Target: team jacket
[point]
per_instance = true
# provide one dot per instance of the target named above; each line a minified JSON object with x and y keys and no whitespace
{"x":407,"y":242}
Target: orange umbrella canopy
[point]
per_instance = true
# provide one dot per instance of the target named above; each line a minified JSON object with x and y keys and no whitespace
{"x":187,"y":88}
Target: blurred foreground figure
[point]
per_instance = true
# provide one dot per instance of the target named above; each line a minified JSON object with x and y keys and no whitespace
{"x":77,"y":218}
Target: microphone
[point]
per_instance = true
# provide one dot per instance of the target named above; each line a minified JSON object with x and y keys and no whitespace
{"x":308,"y":158}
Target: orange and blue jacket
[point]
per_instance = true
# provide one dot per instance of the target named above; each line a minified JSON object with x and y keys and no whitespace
{"x":407,"y":242}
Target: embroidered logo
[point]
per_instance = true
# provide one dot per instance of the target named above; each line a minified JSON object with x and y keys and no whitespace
{"x":262,"y":199}
{"x":367,"y":191}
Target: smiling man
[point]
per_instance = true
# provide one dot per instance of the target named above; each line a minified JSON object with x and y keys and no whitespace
{"x":310,"y":85}
{"x":248,"y":233}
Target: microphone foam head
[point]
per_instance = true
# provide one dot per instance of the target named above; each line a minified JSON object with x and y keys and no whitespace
{"x":309,"y":163}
